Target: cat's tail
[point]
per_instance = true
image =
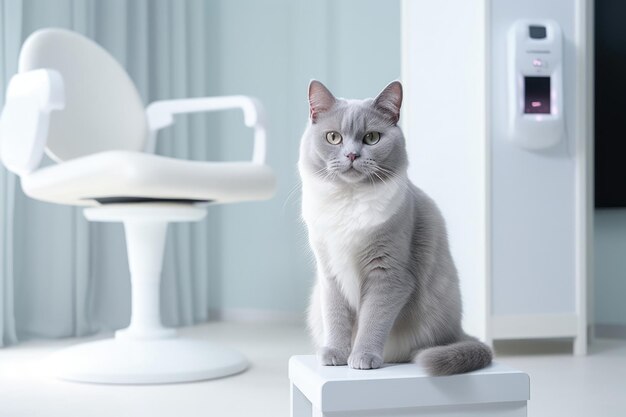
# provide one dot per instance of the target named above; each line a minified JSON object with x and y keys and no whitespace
{"x":455,"y":358}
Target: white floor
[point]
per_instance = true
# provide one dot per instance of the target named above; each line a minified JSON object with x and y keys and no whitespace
{"x":561,"y":384}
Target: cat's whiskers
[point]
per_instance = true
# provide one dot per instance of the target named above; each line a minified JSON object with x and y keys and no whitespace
{"x":387,"y":172}
{"x":373,"y":171}
{"x":298,"y":187}
{"x":291,"y":193}
{"x":380,"y":178}
{"x":398,"y":180}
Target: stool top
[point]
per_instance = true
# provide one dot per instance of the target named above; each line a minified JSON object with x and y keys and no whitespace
{"x":340,"y":388}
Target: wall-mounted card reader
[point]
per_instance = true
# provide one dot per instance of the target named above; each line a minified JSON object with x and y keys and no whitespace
{"x":535,"y":78}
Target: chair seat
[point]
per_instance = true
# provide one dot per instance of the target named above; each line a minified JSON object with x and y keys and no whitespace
{"x":124,"y":176}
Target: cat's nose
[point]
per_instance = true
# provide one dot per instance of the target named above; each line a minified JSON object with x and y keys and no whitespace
{"x":352,"y":156}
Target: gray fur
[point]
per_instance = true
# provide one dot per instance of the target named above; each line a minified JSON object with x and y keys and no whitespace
{"x":387,"y":288}
{"x":455,"y":358}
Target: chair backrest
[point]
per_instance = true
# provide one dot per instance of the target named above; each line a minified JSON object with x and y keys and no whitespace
{"x":103,"y":110}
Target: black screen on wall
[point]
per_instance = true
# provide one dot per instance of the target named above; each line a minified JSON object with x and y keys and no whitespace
{"x":610,"y":103}
{"x":537,"y":95}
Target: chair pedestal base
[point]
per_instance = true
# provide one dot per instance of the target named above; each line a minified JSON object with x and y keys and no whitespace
{"x":146,"y":352}
{"x":156,"y":361}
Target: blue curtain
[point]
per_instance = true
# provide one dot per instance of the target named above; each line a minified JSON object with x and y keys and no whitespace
{"x":10,"y":24}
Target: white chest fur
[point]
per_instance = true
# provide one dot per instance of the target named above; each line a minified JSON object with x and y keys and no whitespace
{"x":340,"y":220}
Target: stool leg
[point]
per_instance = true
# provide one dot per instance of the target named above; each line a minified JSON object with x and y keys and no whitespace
{"x":300,"y":405}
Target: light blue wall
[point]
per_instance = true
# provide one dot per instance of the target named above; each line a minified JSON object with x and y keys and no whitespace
{"x":271,"y":49}
{"x":610,"y":267}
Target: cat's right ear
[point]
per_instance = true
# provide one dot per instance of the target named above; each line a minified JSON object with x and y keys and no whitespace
{"x":320,"y":99}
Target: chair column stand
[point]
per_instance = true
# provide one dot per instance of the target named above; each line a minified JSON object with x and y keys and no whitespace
{"x":146,"y":352}
{"x":145,"y":242}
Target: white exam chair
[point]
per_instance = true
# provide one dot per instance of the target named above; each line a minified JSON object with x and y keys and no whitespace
{"x":73,"y":101}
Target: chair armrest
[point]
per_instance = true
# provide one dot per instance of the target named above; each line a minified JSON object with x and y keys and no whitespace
{"x":160,"y":114}
{"x":31,"y":97}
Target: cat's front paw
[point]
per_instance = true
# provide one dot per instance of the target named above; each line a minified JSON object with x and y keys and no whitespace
{"x":364,"y":360}
{"x":329,"y":356}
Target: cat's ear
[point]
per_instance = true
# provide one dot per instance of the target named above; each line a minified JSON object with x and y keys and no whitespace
{"x":320,"y":99}
{"x":389,"y":101}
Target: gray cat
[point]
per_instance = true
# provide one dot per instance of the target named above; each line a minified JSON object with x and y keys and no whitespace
{"x":387,"y":288}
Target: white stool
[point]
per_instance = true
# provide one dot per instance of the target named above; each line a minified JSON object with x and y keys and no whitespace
{"x":404,"y":390}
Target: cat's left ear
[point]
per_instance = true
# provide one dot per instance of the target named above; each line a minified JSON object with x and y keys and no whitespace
{"x":320,"y":99}
{"x":389,"y":101}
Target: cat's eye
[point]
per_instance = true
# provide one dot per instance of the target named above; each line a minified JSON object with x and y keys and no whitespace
{"x":334,"y":138}
{"x":371,"y":138}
